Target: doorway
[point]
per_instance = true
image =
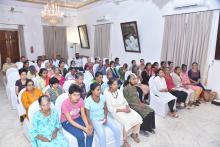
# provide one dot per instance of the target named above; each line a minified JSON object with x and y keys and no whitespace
{"x":9,"y":45}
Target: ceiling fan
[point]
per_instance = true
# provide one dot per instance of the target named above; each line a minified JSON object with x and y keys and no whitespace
{"x":12,"y":10}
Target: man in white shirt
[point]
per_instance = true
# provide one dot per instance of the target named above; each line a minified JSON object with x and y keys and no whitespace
{"x":78,"y":62}
{"x":55,"y":61}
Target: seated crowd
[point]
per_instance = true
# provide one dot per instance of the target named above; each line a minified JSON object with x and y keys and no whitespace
{"x":121,"y":97}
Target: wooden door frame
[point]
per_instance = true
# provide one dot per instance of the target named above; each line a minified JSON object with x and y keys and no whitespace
{"x":10,"y":29}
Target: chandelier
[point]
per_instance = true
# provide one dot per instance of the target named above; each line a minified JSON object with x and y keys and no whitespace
{"x":52,"y":14}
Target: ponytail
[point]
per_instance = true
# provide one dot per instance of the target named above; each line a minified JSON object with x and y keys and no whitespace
{"x":93,"y":86}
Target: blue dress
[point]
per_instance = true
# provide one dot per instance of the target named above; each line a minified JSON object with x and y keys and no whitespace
{"x":42,"y":125}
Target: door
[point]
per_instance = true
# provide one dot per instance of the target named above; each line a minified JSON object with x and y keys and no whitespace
{"x":9,"y":46}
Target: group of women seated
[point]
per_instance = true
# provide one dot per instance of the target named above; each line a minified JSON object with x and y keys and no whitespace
{"x":84,"y":112}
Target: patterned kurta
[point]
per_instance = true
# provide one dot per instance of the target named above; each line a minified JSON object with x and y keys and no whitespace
{"x":42,"y":125}
{"x":131,"y":95}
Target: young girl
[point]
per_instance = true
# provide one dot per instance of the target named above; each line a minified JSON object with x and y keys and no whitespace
{"x":97,"y":113}
{"x":55,"y":90}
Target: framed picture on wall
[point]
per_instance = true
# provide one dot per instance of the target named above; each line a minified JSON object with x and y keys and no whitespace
{"x":130,"y":36}
{"x":83,"y":36}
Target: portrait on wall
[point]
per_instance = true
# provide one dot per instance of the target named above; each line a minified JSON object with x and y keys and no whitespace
{"x":83,"y":36}
{"x":130,"y":36}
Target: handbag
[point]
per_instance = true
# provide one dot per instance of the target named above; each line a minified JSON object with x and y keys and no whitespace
{"x":209,"y":95}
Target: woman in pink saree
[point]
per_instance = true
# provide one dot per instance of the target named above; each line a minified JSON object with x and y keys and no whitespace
{"x":186,"y":82}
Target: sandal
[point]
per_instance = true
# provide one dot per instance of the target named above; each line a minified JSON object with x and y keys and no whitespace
{"x":135,"y":138}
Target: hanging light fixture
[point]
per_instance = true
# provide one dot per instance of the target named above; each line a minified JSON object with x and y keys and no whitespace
{"x":52,"y":14}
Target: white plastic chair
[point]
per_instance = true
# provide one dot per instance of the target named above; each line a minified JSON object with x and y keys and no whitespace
{"x":66,"y":66}
{"x":88,"y":77}
{"x":67,"y":84}
{"x":34,"y":107}
{"x":31,"y":63}
{"x":10,"y":88}
{"x":19,"y":65}
{"x":69,"y":62}
{"x":22,"y":111}
{"x":156,"y":103}
{"x":44,"y":63}
{"x":10,"y":70}
{"x":84,"y":61}
{"x":127,"y":73}
{"x":58,"y":104}
{"x":92,"y":59}
{"x":71,"y":139}
{"x":20,"y":107}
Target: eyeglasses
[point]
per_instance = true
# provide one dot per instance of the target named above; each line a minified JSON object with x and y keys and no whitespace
{"x":30,"y":85}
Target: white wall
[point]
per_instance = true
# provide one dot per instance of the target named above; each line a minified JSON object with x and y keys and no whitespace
{"x":31,"y":19}
{"x":150,"y":28}
{"x":150,"y":22}
{"x":214,"y":72}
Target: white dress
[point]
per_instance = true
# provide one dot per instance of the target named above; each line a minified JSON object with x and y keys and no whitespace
{"x":160,"y":84}
{"x":127,"y":120}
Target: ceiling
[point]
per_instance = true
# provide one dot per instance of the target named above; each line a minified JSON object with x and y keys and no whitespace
{"x":64,"y":3}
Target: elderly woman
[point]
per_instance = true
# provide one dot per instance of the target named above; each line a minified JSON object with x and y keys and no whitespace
{"x":131,"y":94}
{"x":8,"y":64}
{"x":45,"y":127}
{"x":30,"y":95}
{"x":120,"y":110}
{"x":55,"y":90}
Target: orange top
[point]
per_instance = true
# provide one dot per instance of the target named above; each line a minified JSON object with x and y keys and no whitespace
{"x":28,"y":98}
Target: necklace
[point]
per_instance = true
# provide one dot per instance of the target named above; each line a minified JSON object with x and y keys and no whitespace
{"x":115,"y":94}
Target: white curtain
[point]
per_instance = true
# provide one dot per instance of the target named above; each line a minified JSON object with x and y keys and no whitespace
{"x":186,"y":38}
{"x":55,"y":41}
{"x":49,"y":41}
{"x":61,"y":42}
{"x":21,"y":40}
{"x":102,"y":40}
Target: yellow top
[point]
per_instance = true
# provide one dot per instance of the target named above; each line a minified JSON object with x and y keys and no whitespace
{"x":28,"y":98}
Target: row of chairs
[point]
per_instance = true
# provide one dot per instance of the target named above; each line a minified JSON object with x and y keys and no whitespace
{"x":11,"y":79}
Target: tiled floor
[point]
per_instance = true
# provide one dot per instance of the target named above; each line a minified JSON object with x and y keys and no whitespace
{"x":199,"y":127}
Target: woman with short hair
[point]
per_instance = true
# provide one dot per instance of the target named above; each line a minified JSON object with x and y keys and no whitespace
{"x":45,"y":126}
